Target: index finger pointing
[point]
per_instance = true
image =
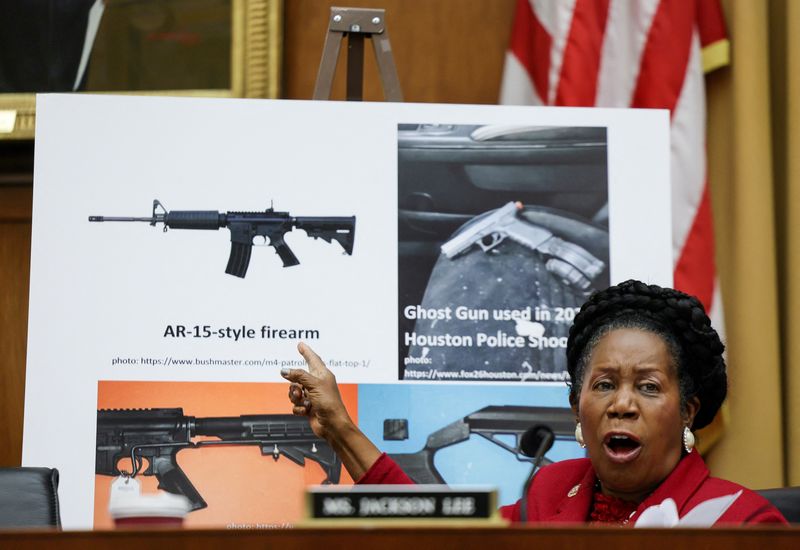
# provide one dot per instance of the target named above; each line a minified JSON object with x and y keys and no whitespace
{"x":315,"y":364}
{"x":300,"y":376}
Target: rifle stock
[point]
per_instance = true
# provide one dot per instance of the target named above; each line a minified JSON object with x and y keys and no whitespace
{"x":489,"y":423}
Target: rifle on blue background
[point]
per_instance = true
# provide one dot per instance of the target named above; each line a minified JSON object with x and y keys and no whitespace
{"x":489,"y":423}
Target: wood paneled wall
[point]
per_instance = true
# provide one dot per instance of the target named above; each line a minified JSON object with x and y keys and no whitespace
{"x":446,"y":51}
{"x":15,"y":255}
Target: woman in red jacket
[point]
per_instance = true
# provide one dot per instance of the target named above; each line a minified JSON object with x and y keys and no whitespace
{"x":646,"y":369}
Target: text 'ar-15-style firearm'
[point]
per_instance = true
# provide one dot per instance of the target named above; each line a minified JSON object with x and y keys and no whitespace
{"x":489,"y":422}
{"x":245,"y":226}
{"x":157,"y":435}
{"x":570,"y":262}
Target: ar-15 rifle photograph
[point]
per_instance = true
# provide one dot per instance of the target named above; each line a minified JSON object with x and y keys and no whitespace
{"x":158,"y":435}
{"x":230,"y":448}
{"x":247,"y":226}
{"x":469,"y":434}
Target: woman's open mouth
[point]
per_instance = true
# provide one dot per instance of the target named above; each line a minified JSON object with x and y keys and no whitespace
{"x":621,"y":447}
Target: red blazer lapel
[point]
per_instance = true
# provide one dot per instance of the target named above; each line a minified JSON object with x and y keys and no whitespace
{"x":680,"y":485}
{"x":576,"y":502}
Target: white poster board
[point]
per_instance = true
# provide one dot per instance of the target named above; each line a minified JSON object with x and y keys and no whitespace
{"x":124,"y":303}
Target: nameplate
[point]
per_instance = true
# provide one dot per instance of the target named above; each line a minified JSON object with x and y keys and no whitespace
{"x":438,"y":503}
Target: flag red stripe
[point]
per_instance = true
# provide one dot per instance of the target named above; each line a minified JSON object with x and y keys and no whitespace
{"x":577,"y":84}
{"x":695,"y":270}
{"x":710,"y":22}
{"x":660,"y":82}
{"x":530,"y":44}
{"x":664,"y":60}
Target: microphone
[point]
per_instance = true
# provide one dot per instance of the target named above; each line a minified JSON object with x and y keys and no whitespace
{"x":534,"y":443}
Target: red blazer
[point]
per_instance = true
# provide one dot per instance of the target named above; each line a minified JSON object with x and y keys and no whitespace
{"x":563,"y":492}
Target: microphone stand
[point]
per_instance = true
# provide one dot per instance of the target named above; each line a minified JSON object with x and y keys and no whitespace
{"x":545,"y":437}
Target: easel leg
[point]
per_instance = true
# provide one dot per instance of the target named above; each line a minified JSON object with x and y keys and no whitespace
{"x":327,"y":66}
{"x":383,"y":55}
{"x":355,"y":67}
{"x":356,"y":24}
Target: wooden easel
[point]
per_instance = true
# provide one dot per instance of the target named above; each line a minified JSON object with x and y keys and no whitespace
{"x":355,"y":24}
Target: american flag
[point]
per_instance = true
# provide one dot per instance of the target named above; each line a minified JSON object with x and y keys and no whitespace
{"x":633,"y":53}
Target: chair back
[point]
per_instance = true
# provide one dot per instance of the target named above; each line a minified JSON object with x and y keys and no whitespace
{"x":786,"y":499}
{"x":29,"y":498}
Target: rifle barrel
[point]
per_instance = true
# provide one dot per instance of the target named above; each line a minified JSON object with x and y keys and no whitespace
{"x":118,"y":219}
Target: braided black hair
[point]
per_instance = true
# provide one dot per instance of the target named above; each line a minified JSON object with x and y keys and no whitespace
{"x":678,"y":318}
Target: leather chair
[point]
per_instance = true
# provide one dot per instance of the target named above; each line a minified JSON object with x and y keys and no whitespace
{"x":786,"y":499}
{"x":29,"y":498}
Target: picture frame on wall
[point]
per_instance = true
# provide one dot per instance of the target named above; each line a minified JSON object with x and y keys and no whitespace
{"x":194,"y":48}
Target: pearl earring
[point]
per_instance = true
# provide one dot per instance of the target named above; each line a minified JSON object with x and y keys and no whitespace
{"x":688,"y":439}
{"x":579,"y":436}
